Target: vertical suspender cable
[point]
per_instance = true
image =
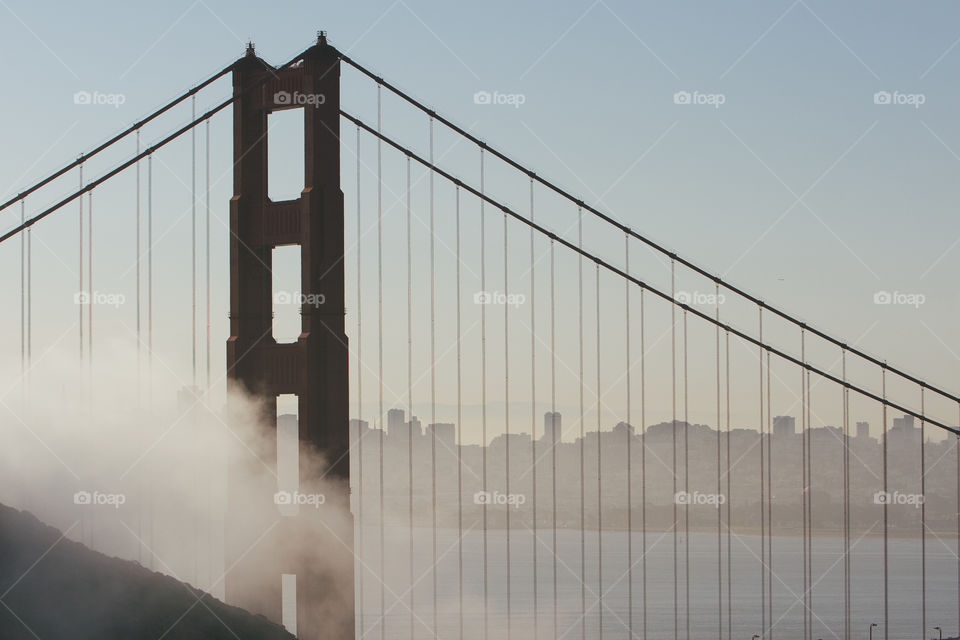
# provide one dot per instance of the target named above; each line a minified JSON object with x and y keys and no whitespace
{"x":686,"y":480}
{"x":90,"y":282}
{"x":533,"y":409}
{"x":846,"y":501}
{"x":380,"y":415}
{"x":85,"y":298}
{"x":360,"y":496}
{"x":150,"y":514}
{"x":410,"y":384}
{"x":805,"y":488}
{"x":719,"y":490}
{"x":555,"y":441}
{"x":433,"y":383}
{"x":810,"y":506}
{"x":957,"y":539}
{"x":763,"y":537}
{"x":80,"y":268}
{"x":483,"y":393}
{"x":643,"y":466}
{"x":583,"y":556}
{"x":139,"y":349}
{"x":506,"y":409}
{"x":629,"y":431}
{"x":673,"y":433}
{"x":729,"y":494}
{"x":770,"y":572}
{"x":886,"y":577}
{"x":459,"y":427}
{"x":193,"y":238}
{"x":923,"y":518}
{"x":599,"y":470}
{"x":207,"y":250}
{"x":193,"y":291}
{"x":23,"y":293}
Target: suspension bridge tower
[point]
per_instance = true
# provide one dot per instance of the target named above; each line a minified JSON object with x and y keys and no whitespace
{"x":314,"y":368}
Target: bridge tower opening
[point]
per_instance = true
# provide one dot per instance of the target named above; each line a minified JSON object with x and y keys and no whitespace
{"x":314,"y":367}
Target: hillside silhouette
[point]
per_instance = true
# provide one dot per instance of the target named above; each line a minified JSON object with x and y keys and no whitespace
{"x":53,"y":588}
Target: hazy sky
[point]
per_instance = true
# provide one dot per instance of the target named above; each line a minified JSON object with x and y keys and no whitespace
{"x":802,"y":186}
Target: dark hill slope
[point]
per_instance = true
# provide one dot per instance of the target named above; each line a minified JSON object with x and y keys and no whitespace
{"x":62,"y":590}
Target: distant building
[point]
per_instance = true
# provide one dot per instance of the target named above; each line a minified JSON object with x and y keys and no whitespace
{"x":446,"y":434}
{"x":400,"y":432}
{"x":552,"y":430}
{"x":904,"y":424}
{"x":395,"y":420}
{"x":784,"y":426}
{"x":863,"y":429}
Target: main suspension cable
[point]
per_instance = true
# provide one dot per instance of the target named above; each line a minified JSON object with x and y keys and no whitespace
{"x":624,"y":228}
{"x":134,"y":128}
{"x":661,"y":294}
{"x":149,"y":151}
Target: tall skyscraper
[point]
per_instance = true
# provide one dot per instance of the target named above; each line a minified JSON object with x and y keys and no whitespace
{"x":552,"y":430}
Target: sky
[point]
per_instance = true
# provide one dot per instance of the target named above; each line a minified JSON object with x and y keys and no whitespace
{"x":812,"y":165}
